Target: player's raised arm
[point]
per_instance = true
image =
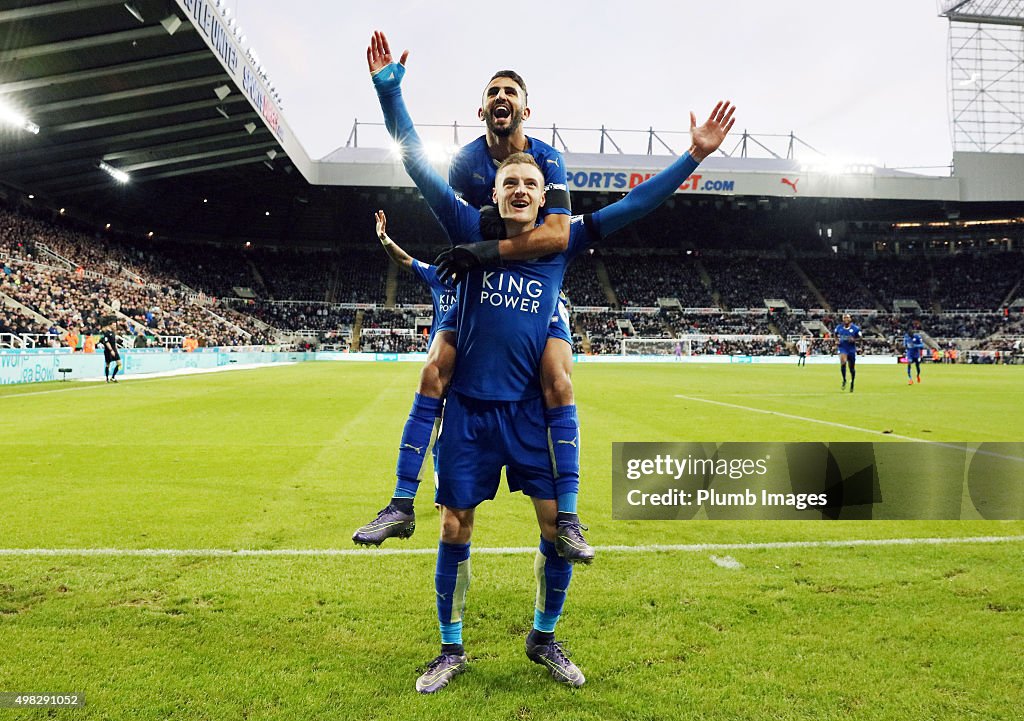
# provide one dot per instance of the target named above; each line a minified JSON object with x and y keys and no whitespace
{"x":644,"y":198}
{"x":459,"y":221}
{"x":394,"y":251}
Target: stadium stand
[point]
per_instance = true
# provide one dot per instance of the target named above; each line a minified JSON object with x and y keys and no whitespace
{"x":60,"y":274}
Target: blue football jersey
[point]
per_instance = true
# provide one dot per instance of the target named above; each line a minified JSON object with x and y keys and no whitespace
{"x":473,"y":171}
{"x":913,"y":345}
{"x":442,"y":296}
{"x":503,"y":320}
{"x":504,"y":313}
{"x":846,"y":335}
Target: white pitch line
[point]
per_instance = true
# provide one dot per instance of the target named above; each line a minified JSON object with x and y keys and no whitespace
{"x":510,"y":550}
{"x":844,"y":426}
{"x":801,"y":418}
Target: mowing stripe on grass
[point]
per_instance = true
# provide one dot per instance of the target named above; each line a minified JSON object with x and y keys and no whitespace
{"x":508,"y":550}
{"x":851,"y":428}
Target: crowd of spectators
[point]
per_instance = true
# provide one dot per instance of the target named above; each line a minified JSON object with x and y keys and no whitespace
{"x":746,"y":282}
{"x":975,"y":282}
{"x":362,"y":276}
{"x":77,"y":279}
{"x":388,"y":318}
{"x":296,"y":275}
{"x":714,"y":346}
{"x":581,"y":283}
{"x":15,"y":320}
{"x":730,"y":323}
{"x":293,"y":316}
{"x":838,"y":281}
{"x":393,"y":342}
{"x":639,"y":279}
{"x":85,"y":301}
{"x":889,"y":279}
{"x":411,"y":290}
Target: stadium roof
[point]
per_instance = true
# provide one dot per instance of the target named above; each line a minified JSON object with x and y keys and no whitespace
{"x":132,"y":84}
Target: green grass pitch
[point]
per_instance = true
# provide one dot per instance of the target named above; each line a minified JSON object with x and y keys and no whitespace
{"x":296,"y":457}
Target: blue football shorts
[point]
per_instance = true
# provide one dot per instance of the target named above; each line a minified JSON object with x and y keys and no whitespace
{"x":479,"y":438}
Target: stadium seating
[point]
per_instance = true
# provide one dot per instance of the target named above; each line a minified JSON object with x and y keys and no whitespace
{"x":75,"y":279}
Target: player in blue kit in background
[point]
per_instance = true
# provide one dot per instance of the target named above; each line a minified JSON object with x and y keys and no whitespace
{"x":846,"y":334}
{"x":494,"y":415}
{"x":503,"y":109}
{"x":913,"y":346}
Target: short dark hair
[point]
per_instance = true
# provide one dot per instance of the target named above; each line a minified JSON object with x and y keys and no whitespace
{"x":514,"y":77}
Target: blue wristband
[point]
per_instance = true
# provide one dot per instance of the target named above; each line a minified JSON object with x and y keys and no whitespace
{"x":389,"y":77}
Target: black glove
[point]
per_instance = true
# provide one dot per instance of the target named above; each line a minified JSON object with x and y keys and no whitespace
{"x":492,"y":227}
{"x":454,"y":264}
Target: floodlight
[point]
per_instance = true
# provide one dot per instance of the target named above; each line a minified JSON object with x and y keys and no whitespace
{"x":130,"y":7}
{"x":118,"y":175}
{"x":12,"y":117}
{"x":250,"y":128}
{"x":435,"y":152}
{"x":220,"y":109}
{"x":222,"y":91}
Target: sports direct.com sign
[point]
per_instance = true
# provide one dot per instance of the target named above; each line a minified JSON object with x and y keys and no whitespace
{"x":622,"y":180}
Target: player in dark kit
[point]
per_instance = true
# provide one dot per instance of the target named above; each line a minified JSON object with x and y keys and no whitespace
{"x":494,"y":415}
{"x":111,"y":356}
{"x":846,"y":334}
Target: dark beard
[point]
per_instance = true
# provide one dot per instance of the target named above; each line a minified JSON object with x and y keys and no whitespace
{"x":517,"y":120}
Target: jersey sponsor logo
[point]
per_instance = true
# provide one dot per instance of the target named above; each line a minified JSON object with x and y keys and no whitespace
{"x":417,"y":449}
{"x":508,"y":290}
{"x":553,"y":161}
{"x":445,"y":301}
{"x":567,"y":443}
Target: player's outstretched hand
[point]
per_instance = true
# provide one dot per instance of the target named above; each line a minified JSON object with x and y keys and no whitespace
{"x":378,"y":55}
{"x":382,"y":225}
{"x":708,"y":137}
{"x":454,"y":264}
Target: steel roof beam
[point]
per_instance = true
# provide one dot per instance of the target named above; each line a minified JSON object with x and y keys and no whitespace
{"x":40,"y":110}
{"x":261,"y":146}
{"x":106,"y":185}
{"x":70,"y":181}
{"x":53,"y":8}
{"x":140,"y":114}
{"x":91,"y":41}
{"x":986,"y":19}
{"x":66,"y":149}
{"x":94,"y":73}
{"x":186,"y":144}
